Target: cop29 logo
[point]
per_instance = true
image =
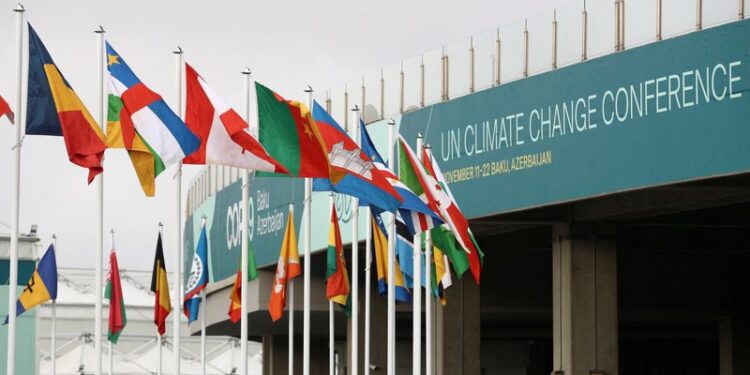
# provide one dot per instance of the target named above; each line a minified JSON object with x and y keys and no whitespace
{"x":234,"y":223}
{"x":344,"y":207}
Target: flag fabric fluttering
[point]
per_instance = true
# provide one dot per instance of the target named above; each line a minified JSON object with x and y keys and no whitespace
{"x":414,"y":174}
{"x":42,"y":285}
{"x":337,"y":278}
{"x":223,"y":135}
{"x":417,"y":216}
{"x":443,"y":239}
{"x":53,"y":108}
{"x":289,"y":134}
{"x":286,"y":270}
{"x":160,"y":287}
{"x":113,"y":293}
{"x":140,"y":121}
{"x":197,"y":279}
{"x":358,"y":175}
{"x":380,"y":242}
{"x":442,"y":279}
{"x":6,"y":111}
{"x":235,"y":296}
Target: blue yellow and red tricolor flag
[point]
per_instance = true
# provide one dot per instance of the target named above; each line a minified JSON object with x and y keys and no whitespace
{"x":42,"y":285}
{"x":337,"y":279}
{"x":54,"y":109}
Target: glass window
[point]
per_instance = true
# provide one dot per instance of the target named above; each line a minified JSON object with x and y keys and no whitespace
{"x":459,"y":68}
{"x":484,"y":60}
{"x":540,"y":42}
{"x":678,"y":17}
{"x":601,"y":27}
{"x":569,"y":34}
{"x":511,"y":52}
{"x":433,"y":71}
{"x":640,"y":22}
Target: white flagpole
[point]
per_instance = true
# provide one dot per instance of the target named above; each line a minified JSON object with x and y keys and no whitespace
{"x":99,"y":211}
{"x":15,"y":208}
{"x":111,"y":364}
{"x":203,"y":332}
{"x":428,"y":299}
{"x":53,"y":341}
{"x":391,"y":363}
{"x":417,"y":298}
{"x":307,"y":224}
{"x":244,"y":254}
{"x":331,"y":332}
{"x":290,"y":290}
{"x":368,"y":264}
{"x":177,"y":287}
{"x":355,"y":259}
{"x":111,"y":351}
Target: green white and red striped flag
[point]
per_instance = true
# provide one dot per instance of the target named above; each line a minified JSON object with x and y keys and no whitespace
{"x":113,"y":293}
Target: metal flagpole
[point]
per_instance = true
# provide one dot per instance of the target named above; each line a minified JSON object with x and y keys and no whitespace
{"x":391,"y":368}
{"x":368,"y":264}
{"x":417,"y":298}
{"x":99,"y":211}
{"x":290,"y":289}
{"x":307,"y":225}
{"x":244,"y":254}
{"x":177,"y":287}
{"x":428,"y":299}
{"x":203,"y":332}
{"x":111,"y":364}
{"x":15,"y":208}
{"x":53,"y":341}
{"x":331,"y":332}
{"x":355,"y":258}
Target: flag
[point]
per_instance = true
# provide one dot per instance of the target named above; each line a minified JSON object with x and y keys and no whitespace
{"x":42,"y":285}
{"x":113,"y":293}
{"x":197,"y":279}
{"x":442,"y":274}
{"x":288,"y":132}
{"x":414,"y":175}
{"x":222,"y":132}
{"x":160,"y":287}
{"x":337,"y":279}
{"x":417,"y":216}
{"x":146,"y":124}
{"x":235,"y":297}
{"x":286,"y":270}
{"x":6,"y":111}
{"x":445,"y":241}
{"x":53,"y":108}
{"x":359,"y":177}
{"x":380,"y":242}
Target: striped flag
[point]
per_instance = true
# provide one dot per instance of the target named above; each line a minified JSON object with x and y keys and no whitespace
{"x":337,"y":279}
{"x":42,"y":285}
{"x":380,"y":242}
{"x":113,"y":293}
{"x":235,"y":296}
{"x":160,"y":287}
{"x":286,"y":270}
{"x":142,"y":123}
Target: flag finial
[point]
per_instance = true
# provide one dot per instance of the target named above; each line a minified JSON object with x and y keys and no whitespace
{"x":19,"y":8}
{"x":178,"y":51}
{"x":391,"y":122}
{"x":247,"y":71}
{"x":100,"y":30}
{"x":309,"y":89}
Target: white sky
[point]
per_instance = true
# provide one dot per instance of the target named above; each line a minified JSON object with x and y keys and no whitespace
{"x":288,"y":44}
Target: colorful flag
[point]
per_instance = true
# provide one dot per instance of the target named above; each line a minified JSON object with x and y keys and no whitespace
{"x":289,"y":134}
{"x":414,"y":174}
{"x":380,"y":242}
{"x":42,"y":285}
{"x":6,"y":111}
{"x":197,"y":279}
{"x":443,"y":239}
{"x":415,"y":213}
{"x":146,"y":124}
{"x":360,"y":178}
{"x":286,"y":270}
{"x":442,"y":274}
{"x":223,"y":135}
{"x":53,"y":108}
{"x":337,"y":278}
{"x":160,"y":287}
{"x":113,"y":293}
{"x":235,"y":297}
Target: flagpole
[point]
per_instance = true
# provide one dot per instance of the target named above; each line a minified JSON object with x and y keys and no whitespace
{"x":307,"y":225}
{"x":111,"y":365}
{"x":203,"y":332}
{"x":428,"y":277}
{"x":177,"y":292}
{"x":417,"y":298}
{"x":53,"y":341}
{"x":355,"y":258}
{"x":244,"y":254}
{"x":331,"y":320}
{"x":15,"y":208}
{"x":391,"y":363}
{"x":111,"y":351}
{"x":290,"y":289}
{"x":99,"y":182}
{"x":368,"y":264}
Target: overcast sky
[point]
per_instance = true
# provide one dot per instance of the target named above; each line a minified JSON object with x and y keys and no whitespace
{"x":288,"y":44}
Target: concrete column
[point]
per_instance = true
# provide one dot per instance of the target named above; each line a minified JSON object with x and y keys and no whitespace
{"x":458,"y":333}
{"x":584,"y":268}
{"x":275,"y":357}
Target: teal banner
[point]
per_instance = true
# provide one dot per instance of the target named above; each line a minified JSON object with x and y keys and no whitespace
{"x":666,"y":112}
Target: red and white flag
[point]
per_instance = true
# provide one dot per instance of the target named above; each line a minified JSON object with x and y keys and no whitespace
{"x":221,"y":130}
{"x":5,"y":110}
